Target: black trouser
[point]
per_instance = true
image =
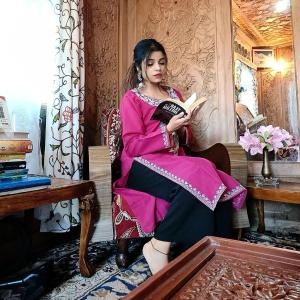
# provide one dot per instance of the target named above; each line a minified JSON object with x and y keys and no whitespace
{"x":188,"y":220}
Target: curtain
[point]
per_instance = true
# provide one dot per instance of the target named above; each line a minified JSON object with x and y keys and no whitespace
{"x":64,"y":127}
{"x":246,"y":86}
{"x":26,"y":62}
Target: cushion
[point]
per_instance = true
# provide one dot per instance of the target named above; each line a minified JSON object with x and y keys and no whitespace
{"x":114,"y":134}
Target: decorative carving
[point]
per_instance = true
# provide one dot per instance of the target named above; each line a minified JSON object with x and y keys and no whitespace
{"x":188,"y":31}
{"x":229,"y":278}
{"x":102,"y":57}
{"x":277,"y":94}
{"x":87,"y":202}
{"x":274,"y":27}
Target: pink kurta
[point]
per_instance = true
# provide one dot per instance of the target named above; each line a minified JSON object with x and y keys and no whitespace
{"x":147,"y":142}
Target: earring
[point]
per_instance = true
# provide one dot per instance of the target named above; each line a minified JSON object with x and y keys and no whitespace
{"x":140,"y":80}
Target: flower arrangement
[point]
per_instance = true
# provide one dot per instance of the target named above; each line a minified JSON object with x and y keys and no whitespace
{"x":266,"y":137}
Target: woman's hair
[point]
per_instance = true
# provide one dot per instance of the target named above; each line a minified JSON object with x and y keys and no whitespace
{"x":141,"y":52}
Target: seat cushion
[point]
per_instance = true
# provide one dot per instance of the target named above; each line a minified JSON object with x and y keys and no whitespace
{"x":114,"y":134}
{"x":125,"y":224}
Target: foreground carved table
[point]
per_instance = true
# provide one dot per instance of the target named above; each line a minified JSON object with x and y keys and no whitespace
{"x":60,"y":189}
{"x":217,"y":268}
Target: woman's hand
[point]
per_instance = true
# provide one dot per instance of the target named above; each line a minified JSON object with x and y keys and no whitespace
{"x":178,"y":121}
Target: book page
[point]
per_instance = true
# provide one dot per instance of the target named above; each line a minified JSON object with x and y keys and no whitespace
{"x":189,"y":101}
{"x":197,"y":103}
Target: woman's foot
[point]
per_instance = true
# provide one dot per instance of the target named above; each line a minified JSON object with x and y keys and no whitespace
{"x":155,"y":258}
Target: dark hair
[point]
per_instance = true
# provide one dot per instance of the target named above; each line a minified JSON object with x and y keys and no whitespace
{"x":142,"y":51}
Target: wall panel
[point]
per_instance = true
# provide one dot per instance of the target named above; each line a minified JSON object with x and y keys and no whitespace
{"x":197,"y":38}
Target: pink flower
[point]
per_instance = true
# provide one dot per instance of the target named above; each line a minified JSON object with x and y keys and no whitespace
{"x":269,"y":137}
{"x":252,"y":143}
{"x":265,"y":131}
{"x":68,"y":114}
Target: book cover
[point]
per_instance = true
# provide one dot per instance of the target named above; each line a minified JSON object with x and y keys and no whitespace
{"x":28,"y":182}
{"x":12,"y":177}
{"x":13,"y":146}
{"x":171,"y":107}
{"x":11,"y":165}
{"x":13,"y":135}
{"x":13,"y":172}
{"x":12,"y":156}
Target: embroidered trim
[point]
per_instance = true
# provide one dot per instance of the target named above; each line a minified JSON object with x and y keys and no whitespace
{"x":152,"y":101}
{"x":232,"y":193}
{"x":211,"y":204}
{"x":165,"y":134}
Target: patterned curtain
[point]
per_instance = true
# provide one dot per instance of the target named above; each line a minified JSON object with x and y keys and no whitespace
{"x":246,"y":86}
{"x":64,"y":129}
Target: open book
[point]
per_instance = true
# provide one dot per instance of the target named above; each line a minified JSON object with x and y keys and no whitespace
{"x":256,"y":121}
{"x":171,"y":107}
{"x":247,"y":117}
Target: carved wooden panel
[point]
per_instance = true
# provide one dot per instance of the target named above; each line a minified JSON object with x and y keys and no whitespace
{"x":277,"y":93}
{"x":102,"y":50}
{"x":197,"y":36}
{"x":274,"y":26}
{"x":217,"y":268}
{"x":191,"y":33}
{"x":228,"y":278}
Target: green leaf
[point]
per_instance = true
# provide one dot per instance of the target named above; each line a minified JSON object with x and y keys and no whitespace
{"x":61,"y":125}
{"x":75,"y":82}
{"x":55,"y":118}
{"x":54,"y":147}
{"x":266,"y":134}
{"x":62,"y":98}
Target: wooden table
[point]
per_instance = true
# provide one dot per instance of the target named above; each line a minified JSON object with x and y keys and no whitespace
{"x":286,"y":192}
{"x":60,"y":189}
{"x":217,"y":268}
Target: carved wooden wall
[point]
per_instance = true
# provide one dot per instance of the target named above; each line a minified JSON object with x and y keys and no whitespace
{"x":197,"y":38}
{"x":101,"y":33}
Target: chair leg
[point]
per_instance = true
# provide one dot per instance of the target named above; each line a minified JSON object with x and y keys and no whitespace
{"x":122,"y":256}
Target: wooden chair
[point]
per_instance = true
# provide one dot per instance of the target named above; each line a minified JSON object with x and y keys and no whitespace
{"x":125,"y":225}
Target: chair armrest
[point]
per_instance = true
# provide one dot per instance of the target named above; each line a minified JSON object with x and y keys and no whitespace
{"x":218,"y":154}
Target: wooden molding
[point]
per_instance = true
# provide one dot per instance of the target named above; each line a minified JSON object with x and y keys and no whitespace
{"x":296,"y":35}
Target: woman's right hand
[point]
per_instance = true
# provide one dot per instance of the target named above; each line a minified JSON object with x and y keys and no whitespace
{"x":178,"y":121}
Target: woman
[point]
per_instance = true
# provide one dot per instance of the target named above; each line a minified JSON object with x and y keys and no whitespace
{"x":159,"y":182}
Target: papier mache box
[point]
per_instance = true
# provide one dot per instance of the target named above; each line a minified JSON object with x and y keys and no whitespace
{"x":288,"y":154}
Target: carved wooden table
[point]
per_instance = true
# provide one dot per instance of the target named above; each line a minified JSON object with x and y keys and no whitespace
{"x":60,"y":189}
{"x":217,"y":268}
{"x":286,"y":192}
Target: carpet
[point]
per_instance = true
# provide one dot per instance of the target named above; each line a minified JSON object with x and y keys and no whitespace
{"x":109,"y":282}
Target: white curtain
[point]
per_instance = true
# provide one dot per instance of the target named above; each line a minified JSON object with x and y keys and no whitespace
{"x":64,"y":129}
{"x":26,"y":66}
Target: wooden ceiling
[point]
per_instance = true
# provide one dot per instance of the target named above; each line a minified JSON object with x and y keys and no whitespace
{"x":265,"y":26}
